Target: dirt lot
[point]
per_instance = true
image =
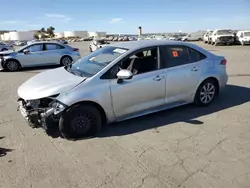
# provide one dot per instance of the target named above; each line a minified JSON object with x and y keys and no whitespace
{"x":186,"y":147}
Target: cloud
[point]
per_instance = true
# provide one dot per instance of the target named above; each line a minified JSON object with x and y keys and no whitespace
{"x":10,"y":22}
{"x":58,"y":17}
{"x":115,"y":20}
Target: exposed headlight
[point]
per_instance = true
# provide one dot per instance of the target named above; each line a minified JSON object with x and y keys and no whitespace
{"x":58,"y":107}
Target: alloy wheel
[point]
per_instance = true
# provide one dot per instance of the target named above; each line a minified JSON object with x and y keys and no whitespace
{"x":12,"y":65}
{"x":207,"y":93}
{"x":66,"y":61}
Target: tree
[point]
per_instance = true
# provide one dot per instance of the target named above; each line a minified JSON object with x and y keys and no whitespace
{"x":42,"y":30}
{"x":36,"y":36}
{"x":50,"y":31}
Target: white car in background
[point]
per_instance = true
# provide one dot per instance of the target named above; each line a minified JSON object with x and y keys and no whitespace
{"x":243,"y":37}
{"x":197,"y":36}
{"x":96,"y":44}
{"x":222,"y":36}
{"x":5,"y":47}
{"x":206,"y":36}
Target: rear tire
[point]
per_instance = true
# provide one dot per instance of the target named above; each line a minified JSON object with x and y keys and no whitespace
{"x":4,"y":49}
{"x":80,"y":121}
{"x":66,"y":60}
{"x":206,"y":93}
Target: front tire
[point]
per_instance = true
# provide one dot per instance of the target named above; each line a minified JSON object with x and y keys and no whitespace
{"x":206,"y":93}
{"x":80,"y":121}
{"x":4,"y":49}
{"x":12,"y":65}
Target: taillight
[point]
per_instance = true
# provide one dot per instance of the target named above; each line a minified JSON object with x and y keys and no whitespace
{"x":75,"y":49}
{"x":223,"y":62}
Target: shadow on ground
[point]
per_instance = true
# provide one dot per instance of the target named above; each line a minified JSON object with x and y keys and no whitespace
{"x":232,"y":96}
{"x":4,"y":151}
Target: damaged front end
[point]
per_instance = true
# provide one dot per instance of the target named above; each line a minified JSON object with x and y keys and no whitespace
{"x":43,"y":112}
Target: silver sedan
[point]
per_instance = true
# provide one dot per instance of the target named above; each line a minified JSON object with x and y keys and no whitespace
{"x":122,"y":81}
{"x":38,"y":54}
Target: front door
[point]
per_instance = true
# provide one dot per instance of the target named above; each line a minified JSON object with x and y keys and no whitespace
{"x":183,"y":68}
{"x":144,"y":92}
{"x":33,"y":57}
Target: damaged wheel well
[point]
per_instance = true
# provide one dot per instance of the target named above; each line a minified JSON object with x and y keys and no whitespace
{"x":98,"y":107}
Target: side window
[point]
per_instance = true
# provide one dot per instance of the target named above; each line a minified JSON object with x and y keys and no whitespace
{"x":35,"y":48}
{"x":138,"y":63}
{"x":52,"y":47}
{"x":142,"y":61}
{"x":241,"y":35}
{"x":195,"y":56}
{"x":172,"y":56}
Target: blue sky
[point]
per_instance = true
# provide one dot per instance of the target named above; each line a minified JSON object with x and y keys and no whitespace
{"x":116,"y":16}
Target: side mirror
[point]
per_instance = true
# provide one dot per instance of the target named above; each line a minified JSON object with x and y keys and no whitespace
{"x":26,"y":51}
{"x":124,"y":74}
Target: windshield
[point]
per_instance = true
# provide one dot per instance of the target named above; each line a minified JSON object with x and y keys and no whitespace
{"x":96,"y":61}
{"x":224,"y":32}
{"x":247,"y":34}
{"x":21,"y":48}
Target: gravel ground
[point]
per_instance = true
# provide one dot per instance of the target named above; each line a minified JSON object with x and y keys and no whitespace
{"x":187,"y":147}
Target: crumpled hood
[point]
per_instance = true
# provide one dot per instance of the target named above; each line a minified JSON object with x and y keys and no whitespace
{"x":48,"y":83}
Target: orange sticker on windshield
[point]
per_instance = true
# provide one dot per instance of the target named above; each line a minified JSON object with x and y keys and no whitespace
{"x":175,"y":53}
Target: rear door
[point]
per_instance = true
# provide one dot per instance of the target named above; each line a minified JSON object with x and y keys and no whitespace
{"x":52,"y":53}
{"x":183,"y":67}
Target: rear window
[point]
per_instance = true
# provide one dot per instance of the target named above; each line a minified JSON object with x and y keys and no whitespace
{"x":195,"y":56}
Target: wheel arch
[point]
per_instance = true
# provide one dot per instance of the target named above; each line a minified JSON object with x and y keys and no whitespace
{"x":214,"y":79}
{"x":13,"y":59}
{"x":95,"y":104}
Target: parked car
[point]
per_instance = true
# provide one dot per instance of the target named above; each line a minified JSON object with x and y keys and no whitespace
{"x":5,"y":46}
{"x":96,"y":44}
{"x":38,"y":54}
{"x":112,"y":83}
{"x":197,"y":36}
{"x":243,"y":37}
{"x":206,"y":36}
{"x":222,"y":36}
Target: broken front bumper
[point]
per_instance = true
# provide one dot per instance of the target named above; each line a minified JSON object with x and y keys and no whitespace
{"x":38,"y":117}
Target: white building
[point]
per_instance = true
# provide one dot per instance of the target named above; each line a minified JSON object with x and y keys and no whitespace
{"x":76,"y":34}
{"x":21,"y":35}
{"x":6,"y":36}
{"x":97,"y":34}
{"x":59,"y":35}
{"x":2,"y":37}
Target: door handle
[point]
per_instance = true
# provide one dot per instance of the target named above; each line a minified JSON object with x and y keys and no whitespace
{"x":194,"y":69}
{"x":158,"y":78}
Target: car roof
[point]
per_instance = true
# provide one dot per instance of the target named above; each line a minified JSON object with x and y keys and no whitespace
{"x":46,"y":42}
{"x":133,"y":45}
{"x":136,"y":45}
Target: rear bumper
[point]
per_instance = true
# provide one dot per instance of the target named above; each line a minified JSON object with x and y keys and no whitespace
{"x":223,"y":82}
